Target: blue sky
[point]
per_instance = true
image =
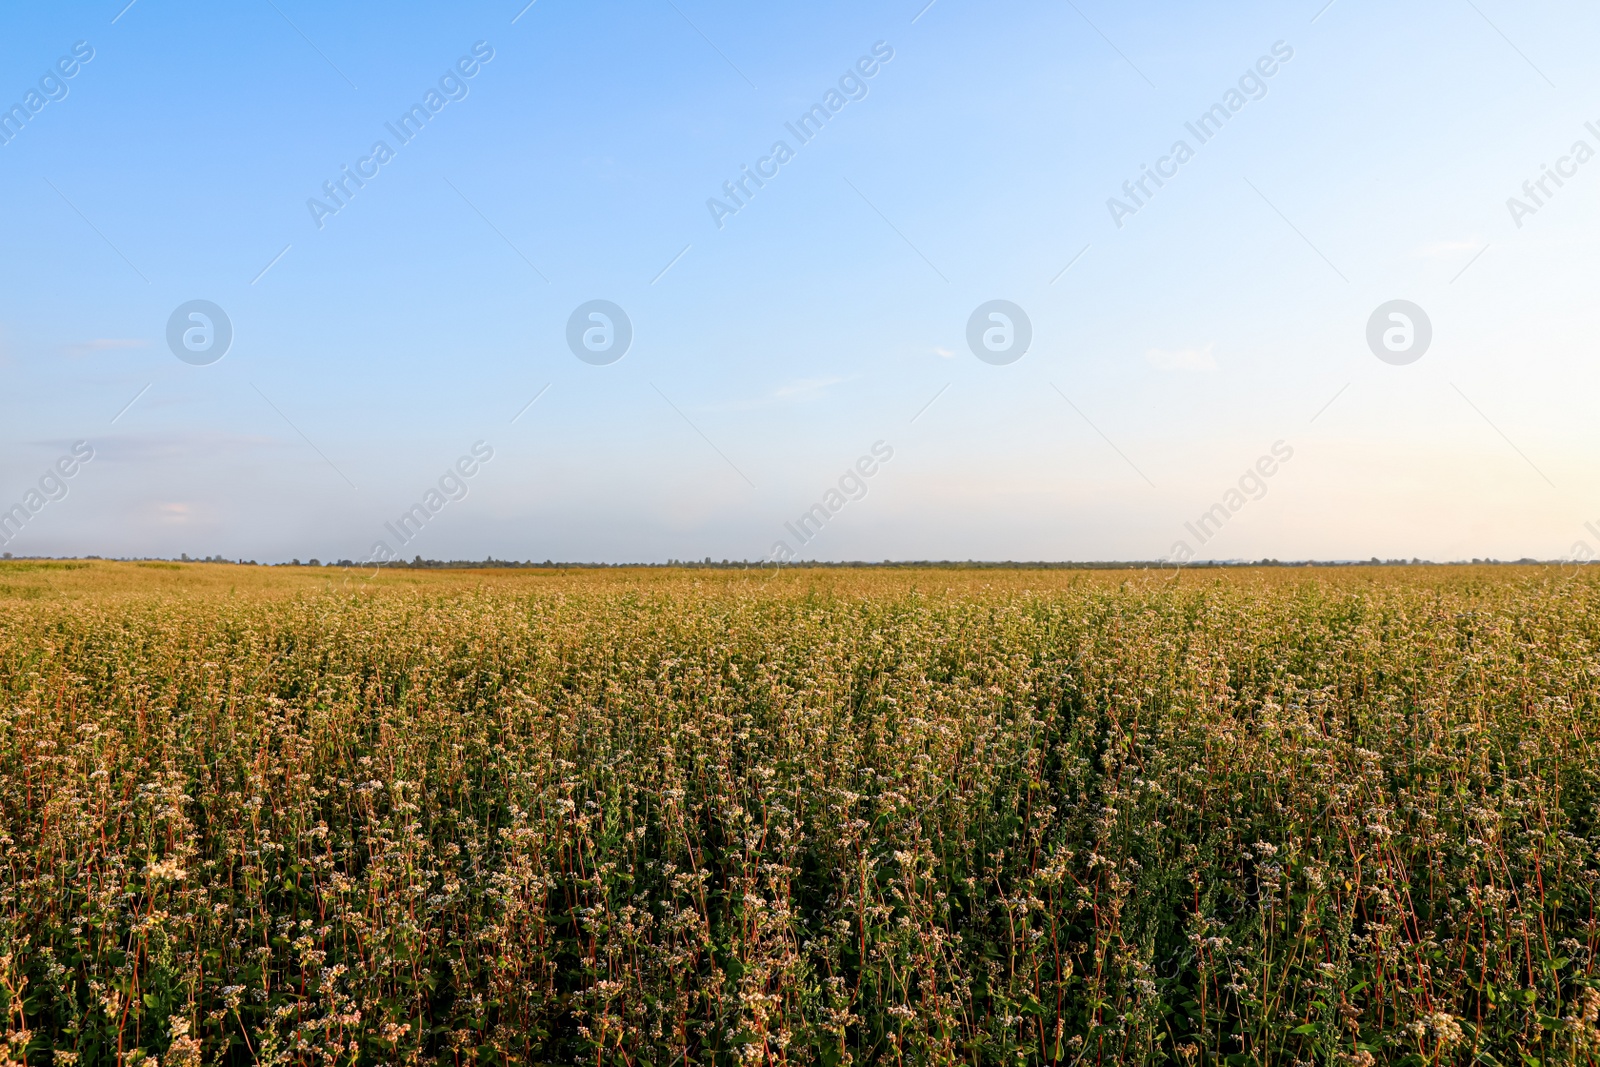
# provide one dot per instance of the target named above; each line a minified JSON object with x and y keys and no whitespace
{"x":769,"y":355}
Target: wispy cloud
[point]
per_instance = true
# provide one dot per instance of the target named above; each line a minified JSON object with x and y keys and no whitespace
{"x":1447,"y":249}
{"x":805,"y":388}
{"x":161,"y":447}
{"x":944,"y":353}
{"x":794,"y":391}
{"x":103,"y":344}
{"x":1183,"y":358}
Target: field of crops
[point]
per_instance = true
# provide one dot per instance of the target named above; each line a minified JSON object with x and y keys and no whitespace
{"x":646,"y":818}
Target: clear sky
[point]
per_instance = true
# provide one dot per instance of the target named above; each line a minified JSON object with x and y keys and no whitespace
{"x":1187,"y":337}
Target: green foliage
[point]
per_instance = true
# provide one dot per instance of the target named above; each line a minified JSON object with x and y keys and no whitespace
{"x":836,"y":819}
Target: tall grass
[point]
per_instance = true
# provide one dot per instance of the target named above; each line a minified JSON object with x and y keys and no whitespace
{"x":870,"y":818}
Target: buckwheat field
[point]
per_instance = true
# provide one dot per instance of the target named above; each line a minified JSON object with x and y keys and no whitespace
{"x":674,"y":817}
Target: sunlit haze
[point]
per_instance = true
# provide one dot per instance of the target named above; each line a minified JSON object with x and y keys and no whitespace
{"x":890,"y":281}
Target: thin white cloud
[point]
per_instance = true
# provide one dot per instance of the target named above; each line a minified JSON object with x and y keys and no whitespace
{"x":805,"y":388}
{"x":1183,"y":358}
{"x":1447,"y":249}
{"x":160,"y":447}
{"x":796,"y":390}
{"x":104,"y":344}
{"x":944,"y":353}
